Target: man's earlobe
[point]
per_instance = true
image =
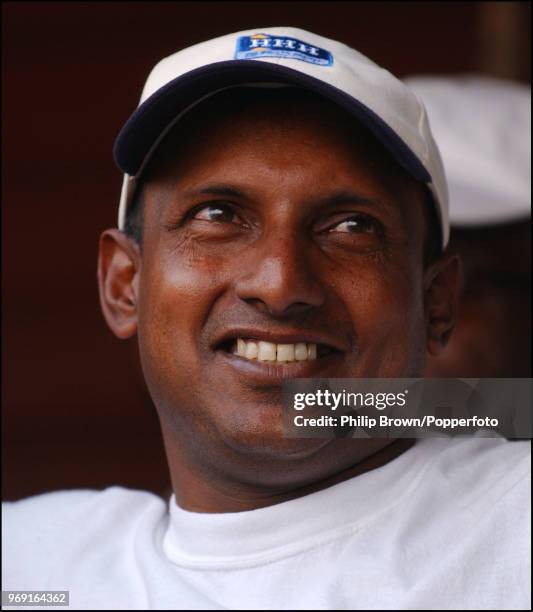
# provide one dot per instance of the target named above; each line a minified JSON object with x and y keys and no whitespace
{"x":119,"y":263}
{"x":442,"y":286}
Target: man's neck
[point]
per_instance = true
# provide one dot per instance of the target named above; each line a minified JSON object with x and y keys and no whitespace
{"x":197,"y":493}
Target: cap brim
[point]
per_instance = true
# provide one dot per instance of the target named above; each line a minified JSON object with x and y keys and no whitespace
{"x":145,"y":126}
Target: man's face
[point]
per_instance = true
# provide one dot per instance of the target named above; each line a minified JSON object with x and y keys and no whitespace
{"x":280,"y":225}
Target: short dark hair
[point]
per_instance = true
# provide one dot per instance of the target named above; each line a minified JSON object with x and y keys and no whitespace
{"x":230,"y":103}
{"x":433,"y":241}
{"x":133,"y":226}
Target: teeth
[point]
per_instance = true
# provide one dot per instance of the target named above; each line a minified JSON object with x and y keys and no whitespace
{"x":285,"y":352}
{"x":300,"y":351}
{"x":269,"y":351}
{"x":241,"y":347}
{"x":252,"y":350}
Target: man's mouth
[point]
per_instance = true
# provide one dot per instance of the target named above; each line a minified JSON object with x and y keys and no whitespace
{"x":267,"y":356}
{"x":261,"y":350}
{"x":278,"y":347}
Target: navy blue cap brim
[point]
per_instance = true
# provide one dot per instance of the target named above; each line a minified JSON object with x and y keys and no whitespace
{"x":155,"y":114}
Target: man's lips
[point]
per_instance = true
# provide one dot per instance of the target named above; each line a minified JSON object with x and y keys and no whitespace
{"x":227,"y":339}
{"x":270,"y":373}
{"x":269,"y":356}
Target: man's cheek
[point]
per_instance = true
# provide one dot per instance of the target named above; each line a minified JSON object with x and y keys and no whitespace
{"x":382,"y":314}
{"x":170,"y":321}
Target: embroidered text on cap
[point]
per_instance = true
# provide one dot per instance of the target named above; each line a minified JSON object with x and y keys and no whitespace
{"x":265,"y":45}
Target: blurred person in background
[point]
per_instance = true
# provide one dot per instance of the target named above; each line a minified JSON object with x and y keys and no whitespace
{"x":483,"y":128}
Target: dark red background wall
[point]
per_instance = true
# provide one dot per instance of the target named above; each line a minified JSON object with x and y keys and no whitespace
{"x":75,"y":410}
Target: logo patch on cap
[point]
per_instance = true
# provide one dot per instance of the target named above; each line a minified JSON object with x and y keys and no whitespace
{"x":266,"y":45}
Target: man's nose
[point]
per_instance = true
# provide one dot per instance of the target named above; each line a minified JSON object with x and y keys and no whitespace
{"x":278,"y":277}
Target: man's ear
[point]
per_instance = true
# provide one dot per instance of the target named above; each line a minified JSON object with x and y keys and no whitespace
{"x":119,"y":266}
{"x":442,"y":287}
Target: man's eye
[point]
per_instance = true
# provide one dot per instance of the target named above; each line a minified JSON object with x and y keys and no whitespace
{"x":358,"y":224}
{"x":220,"y":213}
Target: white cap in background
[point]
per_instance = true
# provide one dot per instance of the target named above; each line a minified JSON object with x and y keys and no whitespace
{"x":482,"y":126}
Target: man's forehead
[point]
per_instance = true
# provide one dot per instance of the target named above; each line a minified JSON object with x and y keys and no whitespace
{"x":248,"y":144}
{"x":289,"y":118}
{"x":282,"y":106}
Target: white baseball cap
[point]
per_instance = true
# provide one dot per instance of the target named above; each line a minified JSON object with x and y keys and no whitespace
{"x":283,"y":55}
{"x":483,"y":129}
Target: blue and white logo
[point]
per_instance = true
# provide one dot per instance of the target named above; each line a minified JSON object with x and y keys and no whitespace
{"x":266,"y":45}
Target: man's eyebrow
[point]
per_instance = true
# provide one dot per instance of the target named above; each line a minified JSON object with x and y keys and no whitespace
{"x":338,"y":198}
{"x":216,"y":189}
{"x":335,"y":198}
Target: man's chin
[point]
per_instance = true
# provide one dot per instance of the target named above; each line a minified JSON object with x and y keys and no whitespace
{"x":273,"y":446}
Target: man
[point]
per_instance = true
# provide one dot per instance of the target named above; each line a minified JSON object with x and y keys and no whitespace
{"x":483,"y":129}
{"x":283,"y":215}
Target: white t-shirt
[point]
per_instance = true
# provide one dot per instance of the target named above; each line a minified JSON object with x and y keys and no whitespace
{"x":446,"y":525}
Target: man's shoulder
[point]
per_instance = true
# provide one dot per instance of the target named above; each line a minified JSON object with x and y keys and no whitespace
{"x":47,"y":533}
{"x":75,"y":503}
{"x":61,"y":517}
{"x":496,"y":458}
{"x":480,"y":470}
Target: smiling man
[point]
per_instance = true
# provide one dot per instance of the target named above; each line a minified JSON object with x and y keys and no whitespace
{"x":278,"y":239}
{"x":283,"y":215}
